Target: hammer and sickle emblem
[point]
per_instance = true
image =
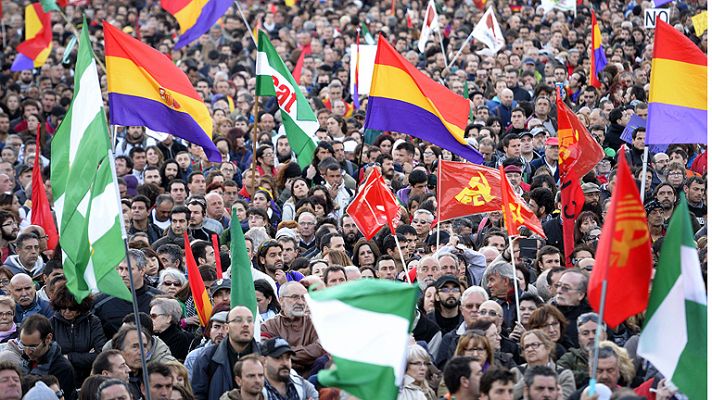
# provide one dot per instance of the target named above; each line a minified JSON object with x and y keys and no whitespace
{"x":632,"y":232}
{"x":478,"y":192}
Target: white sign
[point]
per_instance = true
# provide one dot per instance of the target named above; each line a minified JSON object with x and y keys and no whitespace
{"x":367,"y":60}
{"x":652,"y":14}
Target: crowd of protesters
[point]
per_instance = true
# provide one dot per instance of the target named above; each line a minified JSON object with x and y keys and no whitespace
{"x":468,"y":341}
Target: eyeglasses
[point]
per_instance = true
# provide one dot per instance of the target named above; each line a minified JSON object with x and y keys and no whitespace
{"x":294,"y":297}
{"x":169,"y":283}
{"x":9,"y":224}
{"x":470,"y":306}
{"x":554,"y":324}
{"x":449,"y":290}
{"x":154,"y":316}
{"x":533,"y":346}
{"x":420,"y":221}
{"x":4,"y":282}
{"x":564,"y":288}
{"x":7,"y":314}
{"x":33,"y":347}
{"x":491,"y":313}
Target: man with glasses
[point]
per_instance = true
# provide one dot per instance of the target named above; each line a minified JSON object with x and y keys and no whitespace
{"x":295,"y":326}
{"x":307,"y":228}
{"x":470,"y":301}
{"x":421,"y":222}
{"x":213,"y":372}
{"x":37,"y":354}
{"x":447,"y":304}
{"x":570,"y":298}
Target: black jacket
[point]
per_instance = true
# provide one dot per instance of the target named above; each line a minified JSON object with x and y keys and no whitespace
{"x":572,"y":313}
{"x":112,"y":310}
{"x":177,"y":340}
{"x":81,"y":341}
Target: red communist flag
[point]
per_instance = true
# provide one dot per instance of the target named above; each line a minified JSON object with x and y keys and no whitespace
{"x":578,"y":154}
{"x":374,"y":206}
{"x":623,"y":256}
{"x":516,"y":213}
{"x":466,"y":189}
{"x":41,"y":212}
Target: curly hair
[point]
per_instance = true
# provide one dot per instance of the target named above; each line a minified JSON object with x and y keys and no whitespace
{"x":63,"y":298}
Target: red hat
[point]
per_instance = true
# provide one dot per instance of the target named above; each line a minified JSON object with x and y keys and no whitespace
{"x":512,"y":168}
{"x":552,"y":141}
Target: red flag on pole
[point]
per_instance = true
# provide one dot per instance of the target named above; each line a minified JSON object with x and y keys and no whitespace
{"x":297,"y":73}
{"x":218,"y":261}
{"x":623,"y":256}
{"x":41,"y":212}
{"x":578,"y":154}
{"x":515,"y":211}
{"x":374,"y":206}
{"x":466,"y":189}
{"x":197,"y":287}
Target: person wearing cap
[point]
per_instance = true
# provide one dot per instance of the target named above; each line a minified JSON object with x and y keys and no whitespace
{"x":447,"y":304}
{"x":528,"y":155}
{"x":656,"y":219}
{"x":213,"y":372}
{"x":514,"y":176}
{"x":295,"y":326}
{"x":592,"y":198}
{"x":220,"y":292}
{"x":281,"y":382}
{"x":214,"y":334}
{"x":551,"y":156}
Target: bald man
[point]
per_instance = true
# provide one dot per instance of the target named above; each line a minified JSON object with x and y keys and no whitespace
{"x":27,"y":303}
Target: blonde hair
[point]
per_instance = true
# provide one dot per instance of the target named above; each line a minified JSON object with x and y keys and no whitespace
{"x":625,"y":364}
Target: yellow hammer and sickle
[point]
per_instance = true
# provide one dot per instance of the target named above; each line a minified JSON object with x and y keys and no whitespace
{"x":478,"y":193}
{"x":632,"y":235}
{"x":516,"y":210}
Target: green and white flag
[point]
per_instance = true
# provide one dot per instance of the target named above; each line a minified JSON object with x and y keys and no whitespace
{"x":85,"y":192}
{"x":367,"y":34}
{"x":674,"y":337}
{"x":274,"y":79}
{"x":365,"y":326}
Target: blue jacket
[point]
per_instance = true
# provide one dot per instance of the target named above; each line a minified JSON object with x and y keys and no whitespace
{"x":212,"y":372}
{"x":38,"y":306}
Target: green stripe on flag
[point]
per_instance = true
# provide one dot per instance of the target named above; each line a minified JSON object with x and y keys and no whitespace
{"x":365,"y":381}
{"x":242,"y":292}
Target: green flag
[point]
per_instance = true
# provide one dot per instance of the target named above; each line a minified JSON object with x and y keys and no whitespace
{"x":674,"y":337}
{"x":466,"y":95}
{"x":49,"y":5}
{"x":85,"y":190}
{"x":367,"y":35}
{"x":365,"y":326}
{"x":242,"y":292}
{"x":274,"y":79}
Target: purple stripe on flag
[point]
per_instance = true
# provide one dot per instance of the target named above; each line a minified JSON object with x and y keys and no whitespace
{"x":634,"y":123}
{"x":129,"y":110}
{"x":22,"y":63}
{"x":668,"y":124}
{"x":659,"y":3}
{"x":213,"y":10}
{"x":601,"y":61}
{"x":395,"y":115}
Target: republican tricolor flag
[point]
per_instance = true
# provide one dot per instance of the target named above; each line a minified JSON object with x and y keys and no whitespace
{"x":430,"y":23}
{"x":598,"y":54}
{"x":195,"y":17}
{"x":33,"y":52}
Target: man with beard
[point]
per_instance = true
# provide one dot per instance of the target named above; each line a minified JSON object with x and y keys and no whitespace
{"x":8,"y":233}
{"x":660,"y":163}
{"x":447,"y":301}
{"x":213,"y":374}
{"x":284,"y":151}
{"x":695,"y":191}
{"x":665,"y":194}
{"x":294,"y":325}
{"x":656,"y":219}
{"x":215,"y":331}
{"x":540,"y":384}
{"x":270,"y":261}
{"x":427,"y":272}
{"x":279,"y":382}
{"x":576,"y":359}
{"x":134,"y":137}
{"x":592,"y":198}
{"x":350,"y":232}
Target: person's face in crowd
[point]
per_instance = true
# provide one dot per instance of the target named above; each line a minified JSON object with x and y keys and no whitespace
{"x":674,"y":177}
{"x":587,"y":335}
{"x":139,"y":211}
{"x":365,"y":256}
{"x":335,"y":278}
{"x":542,"y":388}
{"x":160,"y":386}
{"x":216,"y":207}
{"x":221,"y":297}
{"x":183,"y":160}
{"x":386,"y":147}
{"x":138,"y":274}
{"x":300,"y":189}
{"x":498,"y":242}
{"x":33,"y":346}
{"x":514,"y":149}
{"x":139,"y":160}
{"x":418,"y":370}
{"x":272,"y":260}
{"x":115,"y":392}
{"x":241,"y":326}
{"x":514,"y":178}
{"x":293,"y":303}
{"x":568,"y":290}
{"x":421,"y":222}
{"x":608,"y":372}
{"x":218,"y":331}
{"x":588,"y":225}
{"x":28,"y":252}
{"x":666,"y":197}
{"x":542,"y":108}
{"x":179,"y":222}
{"x":449,"y":296}
{"x":428,"y":271}
{"x":178,"y":192}
{"x":660,"y":162}
{"x":6,"y":317}
{"x":526,"y":308}
{"x":278,"y":368}
{"x":639,"y":140}
{"x":549,"y":261}
{"x":695,"y":192}
{"x":152,"y":176}
{"x":10,"y":385}
{"x":527,"y":144}
{"x":289,"y":252}
{"x":429,"y":299}
{"x":23,"y":290}
{"x":252,"y":379}
{"x":387,"y":270}
{"x":161,"y":320}
{"x":656,"y":217}
{"x":334,"y":178}
{"x":307,"y":225}
{"x":498,"y":285}
{"x":448,"y":266}
{"x":197,"y":185}
{"x":552,"y":328}
{"x":349,"y":229}
{"x":470,"y":306}
{"x":534,"y":350}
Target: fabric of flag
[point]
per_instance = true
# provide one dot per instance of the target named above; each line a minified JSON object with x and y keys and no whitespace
{"x":658,"y":3}
{"x":297,"y":72}
{"x":515,"y":211}
{"x":195,"y":17}
{"x":89,"y":219}
{"x":357,"y":102}
{"x":578,"y":154}
{"x":598,"y":54}
{"x":677,"y":103}
{"x":430,"y":24}
{"x":467,"y":189}
{"x":674,"y":336}
{"x":623,"y":256}
{"x":203,"y":306}
{"x":274,"y":79}
{"x":374,"y":206}
{"x":434,"y":113}
{"x":33,"y":52}
{"x":52,"y":5}
{"x":41,"y":212}
{"x":488,"y":32}
{"x":563,"y":5}
{"x":466,"y":95}
{"x":699,"y":22}
{"x":365,"y":327}
{"x":367,"y":34}
{"x":147,"y":89}
{"x":242,"y":292}
{"x":216,"y":251}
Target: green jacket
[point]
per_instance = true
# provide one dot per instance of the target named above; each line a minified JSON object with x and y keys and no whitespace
{"x":576,"y":360}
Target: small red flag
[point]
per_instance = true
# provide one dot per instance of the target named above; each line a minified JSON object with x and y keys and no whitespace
{"x":297,"y":73}
{"x":197,"y":287}
{"x":578,"y":154}
{"x":623,"y":256}
{"x":374,"y":206}
{"x":466,"y":189}
{"x":515,"y":211}
{"x":41,"y":212}
{"x":218,"y":261}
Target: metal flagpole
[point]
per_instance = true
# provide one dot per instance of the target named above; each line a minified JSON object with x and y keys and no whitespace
{"x":239,"y":9}
{"x":457,"y":55}
{"x":442,"y":47}
{"x":645,"y":175}
{"x":405,"y":267}
{"x":515,"y":281}
{"x":4,"y":39}
{"x":597,"y":338}
{"x":137,"y":319}
{"x":437,"y":230}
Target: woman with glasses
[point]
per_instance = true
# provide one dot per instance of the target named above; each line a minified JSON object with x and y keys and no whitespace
{"x":475,"y":344}
{"x":166,"y":315}
{"x":415,"y":385}
{"x":538,"y":349}
{"x":171,"y":281}
{"x":77,"y":331}
{"x":5,"y":275}
{"x":8,"y":329}
{"x":552,"y":322}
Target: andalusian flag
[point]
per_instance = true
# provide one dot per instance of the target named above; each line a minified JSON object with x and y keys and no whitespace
{"x":85,"y":190}
{"x":365,"y":326}
{"x":242,"y":292}
{"x":674,"y":337}
{"x":274,"y":79}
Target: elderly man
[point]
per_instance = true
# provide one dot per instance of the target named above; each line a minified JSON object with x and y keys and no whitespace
{"x":470,"y":303}
{"x":427,"y":272}
{"x":576,"y":359}
{"x":27,"y":302}
{"x":499,"y":279}
{"x":570,"y":299}
{"x":28,"y":258}
{"x":295,"y":326}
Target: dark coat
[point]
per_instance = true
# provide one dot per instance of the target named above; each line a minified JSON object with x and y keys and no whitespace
{"x":112,"y":310}
{"x":572,"y":313}
{"x":177,"y":340}
{"x":212,"y":372}
{"x":81,"y":341}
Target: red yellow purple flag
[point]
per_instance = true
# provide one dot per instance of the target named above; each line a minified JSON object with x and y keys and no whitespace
{"x":203,"y":306}
{"x":598,"y":54}
{"x":33,"y":52}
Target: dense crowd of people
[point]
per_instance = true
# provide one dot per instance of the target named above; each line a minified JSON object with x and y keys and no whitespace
{"x":469,"y":339}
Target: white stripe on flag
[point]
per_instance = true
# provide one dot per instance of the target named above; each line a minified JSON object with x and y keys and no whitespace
{"x":691,"y":275}
{"x":87,"y":104}
{"x":103,"y":213}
